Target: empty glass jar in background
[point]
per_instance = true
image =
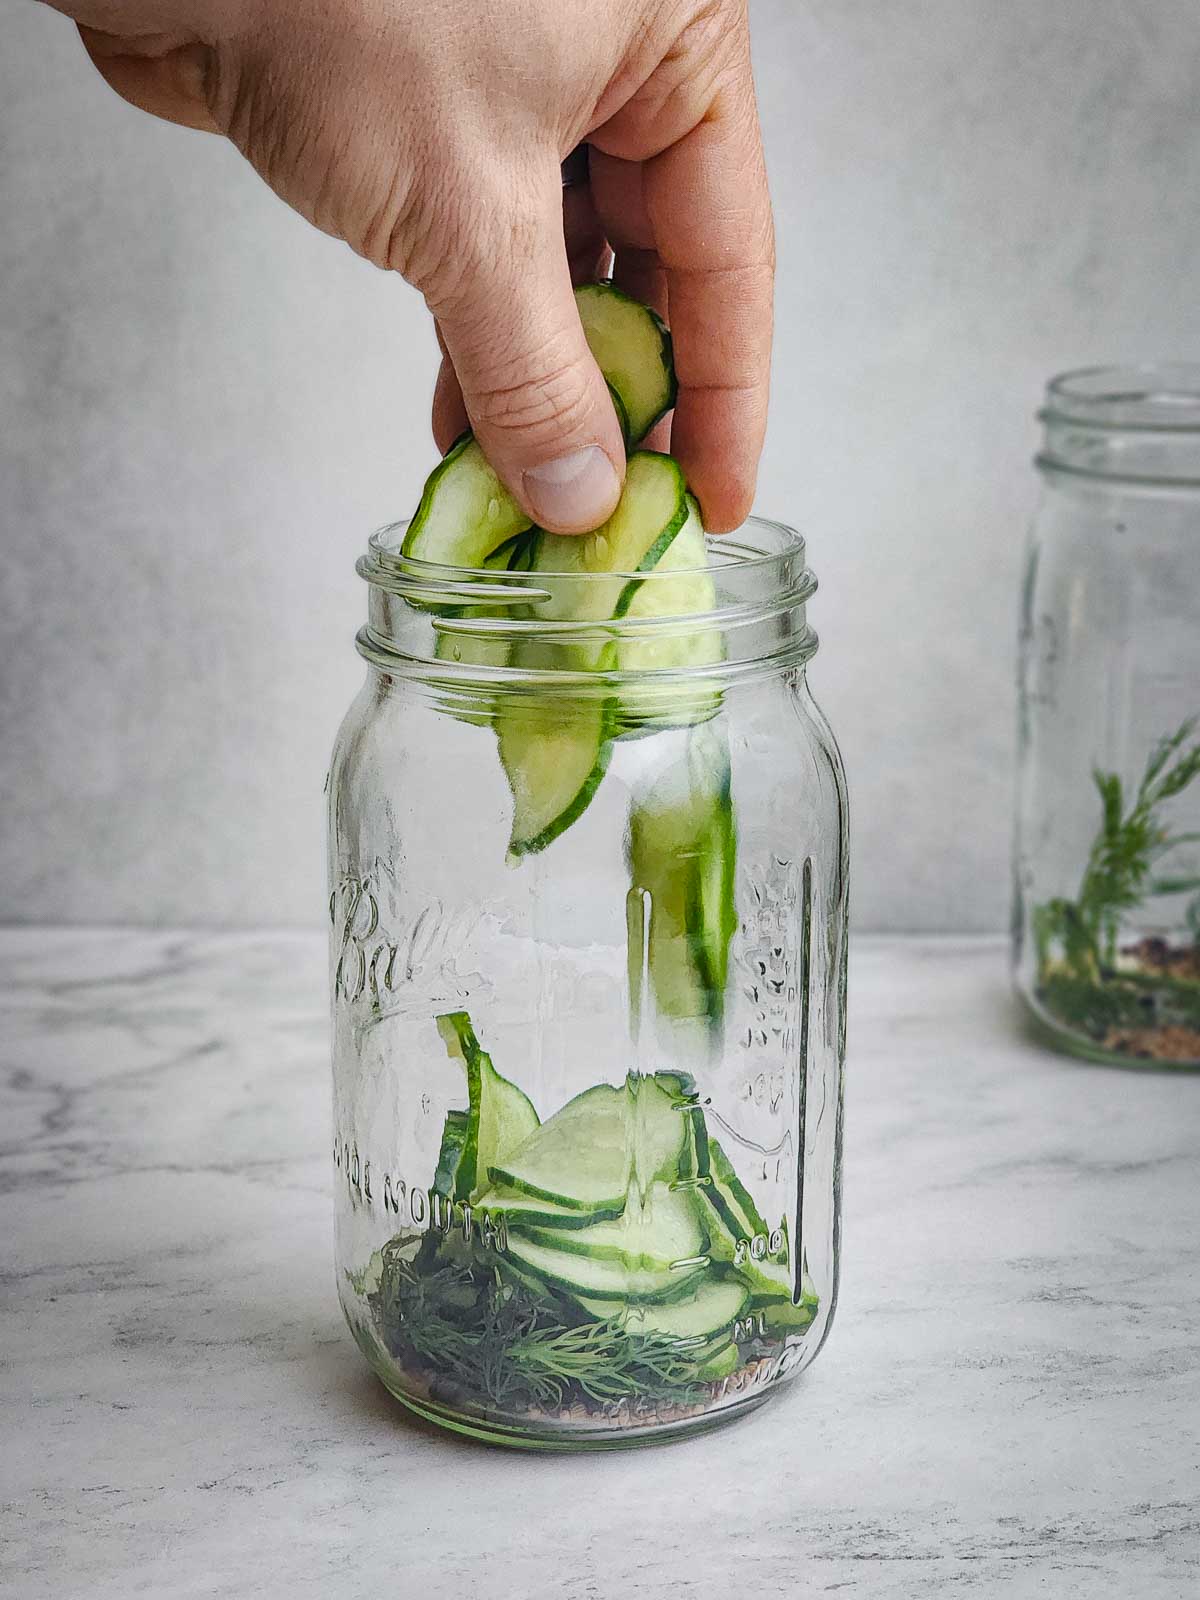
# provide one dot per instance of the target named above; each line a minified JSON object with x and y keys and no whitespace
{"x":1107,"y":854}
{"x":588,"y":1088}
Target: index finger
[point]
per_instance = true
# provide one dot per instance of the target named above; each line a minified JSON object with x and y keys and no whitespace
{"x":707,"y":201}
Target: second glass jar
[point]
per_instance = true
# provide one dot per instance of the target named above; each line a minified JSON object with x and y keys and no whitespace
{"x":588,"y":941}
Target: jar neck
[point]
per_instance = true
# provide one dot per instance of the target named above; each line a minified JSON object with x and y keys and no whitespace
{"x":1130,"y":425}
{"x":744,"y":613}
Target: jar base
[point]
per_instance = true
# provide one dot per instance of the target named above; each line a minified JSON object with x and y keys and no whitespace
{"x":569,"y":1438}
{"x":1048,"y":1031}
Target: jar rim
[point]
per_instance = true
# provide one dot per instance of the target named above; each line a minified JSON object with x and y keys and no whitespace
{"x":384,"y":556}
{"x":423,"y":612}
{"x":1150,"y":397}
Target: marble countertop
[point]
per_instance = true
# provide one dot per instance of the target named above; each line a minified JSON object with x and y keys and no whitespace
{"x":1009,"y":1404}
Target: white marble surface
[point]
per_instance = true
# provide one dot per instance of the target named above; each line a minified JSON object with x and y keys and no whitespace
{"x":1008,"y":1405}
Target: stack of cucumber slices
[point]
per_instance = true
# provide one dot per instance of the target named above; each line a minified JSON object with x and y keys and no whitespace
{"x":555,"y":744}
{"x":620,"y":1208}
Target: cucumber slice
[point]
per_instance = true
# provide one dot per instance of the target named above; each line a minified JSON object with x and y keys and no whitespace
{"x":691,"y":594}
{"x":632,"y":349}
{"x":651,"y":511}
{"x":682,"y":851}
{"x":581,"y":1157}
{"x":712,"y":1308}
{"x":500,"y":1118}
{"x":555,"y":750}
{"x":465,"y":513}
{"x":597,"y":1277}
{"x":663,"y":1233}
{"x":454,"y":1138}
{"x":734,"y":1200}
{"x":554,"y":753}
{"x":719,"y":1365}
{"x":525,"y":1211}
{"x":735,"y":1219}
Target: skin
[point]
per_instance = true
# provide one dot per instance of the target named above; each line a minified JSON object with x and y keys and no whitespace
{"x":431,"y":145}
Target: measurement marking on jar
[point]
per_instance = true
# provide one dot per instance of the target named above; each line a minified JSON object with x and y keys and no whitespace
{"x":802,"y":1084}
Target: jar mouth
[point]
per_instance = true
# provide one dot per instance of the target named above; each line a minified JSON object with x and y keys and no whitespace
{"x":757,"y":546}
{"x":1138,"y":426}
{"x":1151,"y":398}
{"x":457,"y":621}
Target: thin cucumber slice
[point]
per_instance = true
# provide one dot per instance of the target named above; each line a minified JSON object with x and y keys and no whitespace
{"x":526,"y":1211}
{"x":720,"y":1364}
{"x":682,"y":856}
{"x":691,"y":593}
{"x":554,"y":753}
{"x":746,"y":1220}
{"x":465,"y":513}
{"x":665,"y":1232}
{"x":555,"y":750}
{"x":598,"y":1278}
{"x":632,"y":349}
{"x":651,"y":511}
{"x":711,"y":1308}
{"x":454,"y":1138}
{"x":500,"y":1117}
{"x":581,"y":1157}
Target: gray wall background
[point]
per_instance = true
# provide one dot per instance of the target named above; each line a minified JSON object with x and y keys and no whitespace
{"x":204,"y":406}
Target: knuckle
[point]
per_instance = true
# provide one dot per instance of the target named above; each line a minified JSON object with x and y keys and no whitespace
{"x":542,"y":404}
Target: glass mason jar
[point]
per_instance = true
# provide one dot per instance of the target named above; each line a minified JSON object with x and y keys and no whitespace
{"x":587,"y":1084}
{"x":1107,"y":854}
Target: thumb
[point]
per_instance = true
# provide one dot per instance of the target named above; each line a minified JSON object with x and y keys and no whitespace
{"x":535,"y":397}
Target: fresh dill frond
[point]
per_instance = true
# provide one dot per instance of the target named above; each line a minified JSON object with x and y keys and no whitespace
{"x":474,"y":1326}
{"x":1122,"y":866}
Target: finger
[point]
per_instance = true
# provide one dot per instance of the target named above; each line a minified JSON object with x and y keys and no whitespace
{"x":707,"y":200}
{"x":617,"y":189}
{"x":587,"y":253}
{"x":449,"y":409}
{"x":587,"y":248}
{"x":534,"y":395}
{"x":158,"y":73}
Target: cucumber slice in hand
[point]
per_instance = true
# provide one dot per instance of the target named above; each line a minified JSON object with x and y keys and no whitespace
{"x":652,"y":509}
{"x":633,"y":350}
{"x":465,"y":513}
{"x":555,"y":748}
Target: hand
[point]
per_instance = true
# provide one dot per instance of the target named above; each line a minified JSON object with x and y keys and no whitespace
{"x":428,"y":135}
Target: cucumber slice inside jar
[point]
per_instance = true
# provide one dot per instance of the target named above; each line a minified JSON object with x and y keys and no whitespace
{"x":632,"y":349}
{"x":665,"y":1231}
{"x":579,"y":1157}
{"x":554,"y":754}
{"x":690,"y":593}
{"x":682,"y":857}
{"x":500,"y":1117}
{"x":598,"y":1278}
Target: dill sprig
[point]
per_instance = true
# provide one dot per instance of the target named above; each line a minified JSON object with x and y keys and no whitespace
{"x":469,"y":1323}
{"x":1123,"y":863}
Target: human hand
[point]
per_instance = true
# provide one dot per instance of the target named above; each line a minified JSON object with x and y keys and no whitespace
{"x":429,"y":137}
